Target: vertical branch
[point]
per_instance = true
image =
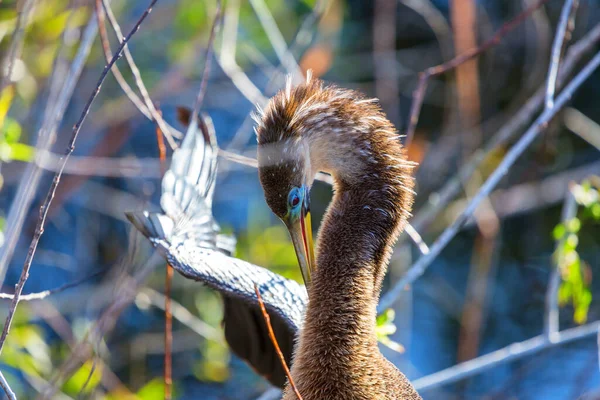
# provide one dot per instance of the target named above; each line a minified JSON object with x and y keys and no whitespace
{"x":464,"y":26}
{"x":557,"y":48}
{"x":265,"y":314}
{"x":551,"y":317}
{"x":51,"y":192}
{"x":168,"y":373}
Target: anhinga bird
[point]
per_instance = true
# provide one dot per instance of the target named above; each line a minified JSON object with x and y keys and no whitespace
{"x":311,"y":128}
{"x":302,"y":130}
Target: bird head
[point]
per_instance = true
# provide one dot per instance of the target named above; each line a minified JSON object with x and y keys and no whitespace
{"x":285,"y":173}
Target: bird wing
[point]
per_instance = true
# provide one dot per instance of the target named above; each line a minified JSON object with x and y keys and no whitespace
{"x":188,"y":236}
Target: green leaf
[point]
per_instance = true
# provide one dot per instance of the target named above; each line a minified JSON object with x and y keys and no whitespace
{"x":76,"y":382}
{"x":153,"y":390}
{"x":559,"y":231}
{"x":574,"y":225}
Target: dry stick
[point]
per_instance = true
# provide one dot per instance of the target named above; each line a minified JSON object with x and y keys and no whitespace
{"x":506,"y":133}
{"x":551,"y":323}
{"x":267,"y":319}
{"x":48,"y":200}
{"x":53,"y":115}
{"x":115,"y":69}
{"x":167,"y":130}
{"x":168,"y":373}
{"x":419,"y":93}
{"x":45,"y":293}
{"x":540,"y":123}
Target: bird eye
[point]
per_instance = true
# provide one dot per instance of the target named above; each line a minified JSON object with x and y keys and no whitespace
{"x":294,"y":197}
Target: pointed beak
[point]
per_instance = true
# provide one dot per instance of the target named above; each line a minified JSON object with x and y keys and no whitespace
{"x":301,"y":233}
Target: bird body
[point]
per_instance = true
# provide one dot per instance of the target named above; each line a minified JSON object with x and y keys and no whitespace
{"x":312,"y":128}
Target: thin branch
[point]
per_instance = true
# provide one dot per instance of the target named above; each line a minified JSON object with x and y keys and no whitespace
{"x":207,"y":62}
{"x":45,"y":293}
{"x":48,"y":200}
{"x":9,"y":393}
{"x":557,"y":48}
{"x":583,"y":126}
{"x":276,"y":39}
{"x":417,"y":239}
{"x":505,"y":134}
{"x":115,"y":69}
{"x":512,"y":352}
{"x":513,"y":154}
{"x":419,"y":93}
{"x":167,"y":129}
{"x":53,"y":115}
{"x":551,"y":322}
{"x":267,"y":318}
{"x":227,"y":57}
{"x":146,"y":167}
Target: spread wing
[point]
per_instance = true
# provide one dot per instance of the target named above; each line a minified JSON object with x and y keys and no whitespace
{"x":188,"y":236}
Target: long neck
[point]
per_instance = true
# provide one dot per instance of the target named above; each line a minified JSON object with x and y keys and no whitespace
{"x":362,"y":223}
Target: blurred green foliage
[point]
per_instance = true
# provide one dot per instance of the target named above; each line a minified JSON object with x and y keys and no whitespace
{"x":575,"y":272}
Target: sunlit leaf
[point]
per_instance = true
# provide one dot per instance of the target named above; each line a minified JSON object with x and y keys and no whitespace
{"x":153,"y":390}
{"x":76,"y":382}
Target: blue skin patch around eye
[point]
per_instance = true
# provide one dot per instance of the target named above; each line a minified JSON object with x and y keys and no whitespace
{"x":295,"y":201}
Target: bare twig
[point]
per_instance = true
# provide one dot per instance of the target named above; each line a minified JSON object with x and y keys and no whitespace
{"x":46,"y":136}
{"x":115,"y":69}
{"x":551,"y":323}
{"x":505,"y":133}
{"x":4,"y":384}
{"x":207,"y":62}
{"x":417,"y":239}
{"x":513,"y":154}
{"x":512,"y":352}
{"x":45,"y":293}
{"x":557,"y":48}
{"x":276,"y":39}
{"x":265,"y":314}
{"x":48,"y":200}
{"x":227,"y":56}
{"x":167,"y":130}
{"x":129,"y":167}
{"x":419,"y":93}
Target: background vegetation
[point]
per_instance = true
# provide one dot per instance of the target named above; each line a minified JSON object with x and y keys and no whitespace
{"x":487,"y":289}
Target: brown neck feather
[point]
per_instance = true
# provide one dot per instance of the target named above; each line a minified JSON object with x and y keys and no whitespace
{"x":362,"y":223}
